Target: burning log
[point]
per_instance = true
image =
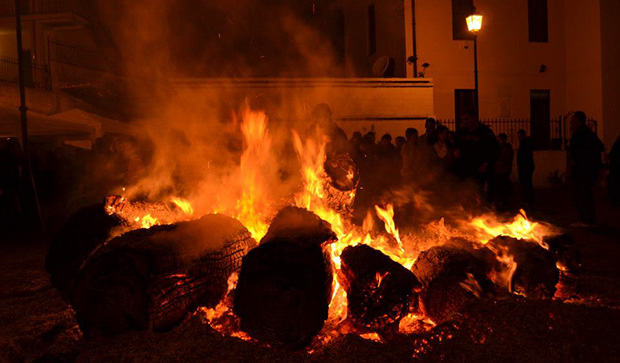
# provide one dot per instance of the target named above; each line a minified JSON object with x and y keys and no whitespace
{"x":85,"y":231}
{"x":301,"y":225}
{"x":380,"y":292}
{"x":341,"y":184}
{"x":451,"y":278}
{"x":535,"y":273}
{"x":285,"y":284}
{"x":137,"y":214}
{"x":565,"y":250}
{"x":151,"y":278}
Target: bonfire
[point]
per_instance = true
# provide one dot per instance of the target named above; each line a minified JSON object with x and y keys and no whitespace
{"x":295,"y":275}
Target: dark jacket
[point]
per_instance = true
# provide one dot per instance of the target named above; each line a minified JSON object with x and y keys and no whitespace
{"x":477,"y":147}
{"x":525,"y":156}
{"x":584,"y":154}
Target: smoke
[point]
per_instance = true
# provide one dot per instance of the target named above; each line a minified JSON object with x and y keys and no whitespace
{"x":191,"y":140}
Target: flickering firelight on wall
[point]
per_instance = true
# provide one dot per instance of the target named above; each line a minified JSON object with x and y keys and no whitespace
{"x":474,"y":22}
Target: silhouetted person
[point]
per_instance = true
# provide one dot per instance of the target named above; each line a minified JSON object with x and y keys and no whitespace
{"x":584,"y":163}
{"x":389,"y":162}
{"x":478,"y":150}
{"x":503,"y":169}
{"x":354,"y":145}
{"x":430,"y":134}
{"x":525,"y":167}
{"x":10,"y":184}
{"x":322,"y":117}
{"x":614,"y":173}
{"x":444,"y":152}
{"x":410,"y":157}
{"x":400,"y":141}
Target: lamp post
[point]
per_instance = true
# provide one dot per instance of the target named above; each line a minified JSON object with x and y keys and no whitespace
{"x":474,"y":23}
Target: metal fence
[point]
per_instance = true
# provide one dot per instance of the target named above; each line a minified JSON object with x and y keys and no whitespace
{"x":555,"y":138}
{"x":75,"y":55}
{"x":79,"y":7}
{"x":34,"y":76}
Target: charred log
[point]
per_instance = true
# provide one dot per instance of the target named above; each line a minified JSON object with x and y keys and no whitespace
{"x":151,"y":278}
{"x":285,"y":285}
{"x":536,"y":273}
{"x":132,"y":213}
{"x":300,"y":225}
{"x":452,"y":278}
{"x":343,"y":178}
{"x":380,"y":292}
{"x":85,"y":231}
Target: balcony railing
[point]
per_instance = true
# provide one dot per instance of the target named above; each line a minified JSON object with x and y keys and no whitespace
{"x":32,"y":7}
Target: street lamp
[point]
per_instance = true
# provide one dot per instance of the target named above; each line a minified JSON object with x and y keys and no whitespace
{"x":474,"y":23}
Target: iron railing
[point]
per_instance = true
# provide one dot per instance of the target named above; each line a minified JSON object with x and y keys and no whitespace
{"x":558,"y":130}
{"x":29,"y":7}
{"x":34,"y":76}
{"x":75,"y":55}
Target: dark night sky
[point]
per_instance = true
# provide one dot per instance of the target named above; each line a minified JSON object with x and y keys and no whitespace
{"x":248,"y":37}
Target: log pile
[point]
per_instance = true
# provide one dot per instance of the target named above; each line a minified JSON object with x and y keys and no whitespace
{"x":380,"y":292}
{"x":152,"y":278}
{"x":285,"y":285}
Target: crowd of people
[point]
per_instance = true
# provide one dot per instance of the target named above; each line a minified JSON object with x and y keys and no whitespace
{"x":438,"y":159}
{"x":442,"y":161}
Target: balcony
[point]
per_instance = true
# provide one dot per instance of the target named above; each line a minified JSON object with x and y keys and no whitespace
{"x":45,"y":7}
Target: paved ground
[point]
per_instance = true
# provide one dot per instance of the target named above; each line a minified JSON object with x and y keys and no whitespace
{"x":36,"y":325}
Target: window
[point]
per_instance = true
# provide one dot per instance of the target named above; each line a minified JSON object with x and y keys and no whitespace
{"x":537,"y":20}
{"x":372,"y":30}
{"x":461,"y":9}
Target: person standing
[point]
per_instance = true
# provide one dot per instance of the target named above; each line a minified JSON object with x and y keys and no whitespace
{"x":525,"y":167}
{"x":584,"y":163}
{"x":478,"y":150}
{"x":409,"y":155}
{"x":503,"y":169}
{"x":614,"y":174}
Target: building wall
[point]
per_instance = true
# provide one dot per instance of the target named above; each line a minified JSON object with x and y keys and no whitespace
{"x":508,"y":63}
{"x":583,"y":59}
{"x":581,"y":56}
{"x":390,"y":35}
{"x":610,"y":30}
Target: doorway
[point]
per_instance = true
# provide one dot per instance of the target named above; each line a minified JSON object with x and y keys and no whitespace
{"x":540,"y":118}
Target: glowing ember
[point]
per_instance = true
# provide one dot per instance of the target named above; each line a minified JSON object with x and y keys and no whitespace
{"x":147,"y":221}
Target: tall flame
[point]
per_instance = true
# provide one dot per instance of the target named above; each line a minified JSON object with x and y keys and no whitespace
{"x":250,"y":208}
{"x":387,"y":216}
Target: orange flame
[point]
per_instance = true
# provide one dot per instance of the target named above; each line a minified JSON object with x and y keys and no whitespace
{"x":387,"y":216}
{"x":184,"y":205}
{"x":488,"y":228}
{"x":250,"y":208}
{"x":147,"y":221}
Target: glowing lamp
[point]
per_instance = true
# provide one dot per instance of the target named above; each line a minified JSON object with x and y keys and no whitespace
{"x":474,"y":22}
